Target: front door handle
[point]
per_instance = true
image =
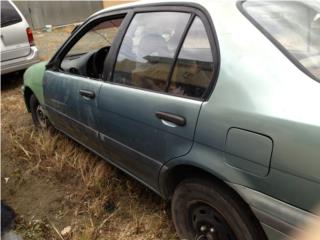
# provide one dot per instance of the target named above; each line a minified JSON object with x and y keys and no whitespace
{"x":169,"y":117}
{"x":87,"y":94}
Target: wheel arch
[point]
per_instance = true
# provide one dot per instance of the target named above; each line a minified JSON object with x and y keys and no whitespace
{"x":180,"y":173}
{"x":170,"y":178}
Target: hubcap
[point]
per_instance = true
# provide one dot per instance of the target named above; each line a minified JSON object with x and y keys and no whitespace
{"x":208,"y":224}
{"x":41,"y":117}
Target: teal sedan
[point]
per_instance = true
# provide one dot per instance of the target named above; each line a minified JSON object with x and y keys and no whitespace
{"x":214,"y":105}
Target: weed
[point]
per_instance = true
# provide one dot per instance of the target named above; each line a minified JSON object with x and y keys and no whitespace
{"x":54,"y":182}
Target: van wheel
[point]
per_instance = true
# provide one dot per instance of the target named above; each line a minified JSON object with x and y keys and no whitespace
{"x":205,"y":210}
{"x":38,"y":116}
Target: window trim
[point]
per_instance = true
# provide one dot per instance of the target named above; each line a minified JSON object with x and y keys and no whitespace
{"x":180,"y":46}
{"x":171,"y":68}
{"x":195,"y":10}
{"x":178,"y":50}
{"x":276,"y":43}
{"x":129,"y":12}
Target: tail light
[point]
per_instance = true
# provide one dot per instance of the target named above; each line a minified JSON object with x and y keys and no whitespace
{"x":30,"y":36}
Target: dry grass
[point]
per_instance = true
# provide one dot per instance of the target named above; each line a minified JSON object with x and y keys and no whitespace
{"x":54,"y":183}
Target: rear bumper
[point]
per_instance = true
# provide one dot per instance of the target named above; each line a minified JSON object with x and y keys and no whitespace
{"x":277,"y":217}
{"x":20,"y":63}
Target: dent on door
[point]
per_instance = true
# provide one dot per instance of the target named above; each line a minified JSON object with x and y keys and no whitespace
{"x":72,"y":105}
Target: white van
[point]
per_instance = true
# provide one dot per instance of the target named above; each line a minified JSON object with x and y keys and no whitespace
{"x":18,"y":50}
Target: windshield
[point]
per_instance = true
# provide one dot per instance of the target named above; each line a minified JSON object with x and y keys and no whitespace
{"x":294,"y":25}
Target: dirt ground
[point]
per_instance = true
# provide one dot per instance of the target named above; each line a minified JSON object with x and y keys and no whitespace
{"x":54,"y":183}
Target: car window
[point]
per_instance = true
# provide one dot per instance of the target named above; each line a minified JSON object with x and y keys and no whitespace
{"x":294,"y":25}
{"x":86,"y":57}
{"x":99,"y":36}
{"x":9,"y":15}
{"x":194,"y":68}
{"x":147,"y":52}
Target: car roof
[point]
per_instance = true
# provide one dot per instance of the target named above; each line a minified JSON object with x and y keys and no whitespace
{"x":143,"y":3}
{"x":205,"y":3}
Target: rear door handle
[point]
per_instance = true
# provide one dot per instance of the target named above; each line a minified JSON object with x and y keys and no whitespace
{"x":169,"y":117}
{"x":87,"y":94}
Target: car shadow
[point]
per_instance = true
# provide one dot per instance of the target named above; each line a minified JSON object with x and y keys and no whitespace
{"x":11,"y":80}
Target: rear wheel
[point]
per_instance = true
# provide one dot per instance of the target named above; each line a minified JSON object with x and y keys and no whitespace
{"x":204,"y":210}
{"x":38,"y":116}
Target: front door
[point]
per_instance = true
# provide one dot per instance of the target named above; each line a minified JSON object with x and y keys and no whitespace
{"x":149,"y":108}
{"x":71,"y":89}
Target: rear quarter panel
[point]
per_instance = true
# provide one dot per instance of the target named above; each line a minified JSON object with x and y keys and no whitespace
{"x":259,"y":89}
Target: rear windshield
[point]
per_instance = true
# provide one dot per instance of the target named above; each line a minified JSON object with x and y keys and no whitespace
{"x":295,"y":26}
{"x":9,"y":15}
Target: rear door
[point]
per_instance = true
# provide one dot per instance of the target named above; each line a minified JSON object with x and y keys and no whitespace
{"x":149,"y":108}
{"x":14,"y":39}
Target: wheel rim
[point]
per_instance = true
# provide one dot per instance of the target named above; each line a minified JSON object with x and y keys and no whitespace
{"x":208,"y":224}
{"x":41,"y":116}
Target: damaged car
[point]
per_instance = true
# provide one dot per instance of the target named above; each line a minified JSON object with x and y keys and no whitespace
{"x":214,"y":105}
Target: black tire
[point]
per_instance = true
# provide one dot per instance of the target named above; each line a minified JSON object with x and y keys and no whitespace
{"x":38,"y":117}
{"x":203,"y":209}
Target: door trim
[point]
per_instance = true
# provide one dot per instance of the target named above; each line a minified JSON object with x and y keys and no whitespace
{"x":47,"y":107}
{"x":101,"y":136}
{"x":118,"y":166}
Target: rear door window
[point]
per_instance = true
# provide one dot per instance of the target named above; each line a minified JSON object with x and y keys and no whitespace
{"x":194,"y":67}
{"x":167,"y":52}
{"x":147,"y":52}
{"x":9,"y":15}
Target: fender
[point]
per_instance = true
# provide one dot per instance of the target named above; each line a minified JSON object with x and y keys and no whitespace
{"x":33,"y":79}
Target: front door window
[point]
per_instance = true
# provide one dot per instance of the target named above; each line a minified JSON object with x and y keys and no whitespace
{"x":86,"y":57}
